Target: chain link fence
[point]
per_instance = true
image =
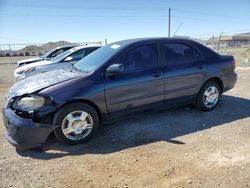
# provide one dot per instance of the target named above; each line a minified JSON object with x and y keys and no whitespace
{"x":12,"y":53}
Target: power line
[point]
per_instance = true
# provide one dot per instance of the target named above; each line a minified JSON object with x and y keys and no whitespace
{"x":123,"y":16}
{"x":119,"y":8}
{"x":210,"y":15}
{"x":126,"y":16}
{"x":217,"y":33}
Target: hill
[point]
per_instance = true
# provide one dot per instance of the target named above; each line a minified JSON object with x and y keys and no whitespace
{"x":32,"y":49}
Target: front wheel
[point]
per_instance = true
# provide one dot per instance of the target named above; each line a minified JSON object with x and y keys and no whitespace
{"x":208,"y":96}
{"x":76,"y":123}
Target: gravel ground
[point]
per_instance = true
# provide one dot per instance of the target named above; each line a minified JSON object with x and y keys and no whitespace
{"x":176,"y":148}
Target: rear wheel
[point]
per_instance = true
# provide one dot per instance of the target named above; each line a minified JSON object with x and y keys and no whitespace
{"x":208,"y":96}
{"x":77,"y":123}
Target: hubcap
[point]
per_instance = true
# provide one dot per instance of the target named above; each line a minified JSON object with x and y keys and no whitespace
{"x":77,"y":125}
{"x":211,"y":97}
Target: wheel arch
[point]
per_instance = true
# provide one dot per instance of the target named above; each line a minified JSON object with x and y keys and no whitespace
{"x":90,"y":103}
{"x":216,"y":80}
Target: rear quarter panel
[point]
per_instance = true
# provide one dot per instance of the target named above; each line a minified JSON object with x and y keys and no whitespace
{"x":222,"y":69}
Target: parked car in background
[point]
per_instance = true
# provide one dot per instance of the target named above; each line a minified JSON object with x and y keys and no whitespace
{"x":121,"y":78}
{"x":63,"y":60}
{"x":47,"y":56}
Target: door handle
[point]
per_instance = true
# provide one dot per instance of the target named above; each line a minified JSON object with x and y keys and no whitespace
{"x":157,"y":74}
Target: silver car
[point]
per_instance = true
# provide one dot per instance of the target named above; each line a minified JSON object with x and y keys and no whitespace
{"x":63,"y":60}
{"x":47,"y":56}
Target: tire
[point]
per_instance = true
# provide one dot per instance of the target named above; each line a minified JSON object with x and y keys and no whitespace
{"x":61,"y":121}
{"x":201,"y":98}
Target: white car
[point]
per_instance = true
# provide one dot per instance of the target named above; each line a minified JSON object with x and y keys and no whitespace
{"x":63,"y":60}
{"x":47,"y":56}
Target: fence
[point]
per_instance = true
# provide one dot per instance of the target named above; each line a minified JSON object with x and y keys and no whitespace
{"x":12,"y":53}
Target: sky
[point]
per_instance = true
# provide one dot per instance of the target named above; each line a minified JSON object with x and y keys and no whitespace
{"x":30,"y":21}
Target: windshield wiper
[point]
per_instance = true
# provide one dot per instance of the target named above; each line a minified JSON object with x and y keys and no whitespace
{"x":72,"y":67}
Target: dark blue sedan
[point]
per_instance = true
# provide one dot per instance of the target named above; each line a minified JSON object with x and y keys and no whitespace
{"x":122,"y":78}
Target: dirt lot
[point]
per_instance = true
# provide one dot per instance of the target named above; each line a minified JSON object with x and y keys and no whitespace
{"x":241,"y":55}
{"x":177,"y":148}
{"x":14,"y":59}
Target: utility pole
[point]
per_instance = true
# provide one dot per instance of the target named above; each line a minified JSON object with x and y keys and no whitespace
{"x":218,"y":47}
{"x":11,"y":61}
{"x":169,"y":21}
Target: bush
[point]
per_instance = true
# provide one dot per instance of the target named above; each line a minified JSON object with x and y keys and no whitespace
{"x":21,"y":54}
{"x":27,"y":54}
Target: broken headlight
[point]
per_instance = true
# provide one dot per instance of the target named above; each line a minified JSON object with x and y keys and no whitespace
{"x":28,"y":103}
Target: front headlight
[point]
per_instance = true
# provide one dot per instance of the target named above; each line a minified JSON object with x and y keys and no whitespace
{"x":29,"y":103}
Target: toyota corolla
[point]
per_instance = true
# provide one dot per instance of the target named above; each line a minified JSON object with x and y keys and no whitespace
{"x":121,"y":78}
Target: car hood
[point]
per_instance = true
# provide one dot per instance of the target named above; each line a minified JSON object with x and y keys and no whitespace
{"x":30,"y":60}
{"x":36,"y":64}
{"x":40,"y":81}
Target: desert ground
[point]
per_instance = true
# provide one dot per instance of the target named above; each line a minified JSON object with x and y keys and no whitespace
{"x":14,"y":59}
{"x":181,"y":147}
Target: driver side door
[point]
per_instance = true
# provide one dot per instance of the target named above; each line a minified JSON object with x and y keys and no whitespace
{"x":140,"y":86}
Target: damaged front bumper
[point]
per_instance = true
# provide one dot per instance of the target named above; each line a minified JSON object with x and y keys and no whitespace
{"x":25,"y":133}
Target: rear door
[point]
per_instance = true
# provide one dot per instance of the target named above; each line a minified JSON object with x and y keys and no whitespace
{"x":141,"y":84}
{"x":185,"y":70}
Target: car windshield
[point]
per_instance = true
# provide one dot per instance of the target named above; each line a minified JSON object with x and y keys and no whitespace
{"x":60,"y":56}
{"x":47,"y":54}
{"x":97,"y":58}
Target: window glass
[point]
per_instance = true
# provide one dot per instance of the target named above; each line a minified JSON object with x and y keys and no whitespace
{"x":47,"y":54}
{"x":61,"y":56}
{"x":140,"y":58}
{"x":97,"y":58}
{"x":177,"y":53}
{"x":56,"y":53}
{"x":78,"y":54}
{"x":90,"y":50}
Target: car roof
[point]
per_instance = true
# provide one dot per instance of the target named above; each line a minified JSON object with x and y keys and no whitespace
{"x":207,"y":52}
{"x":147,"y":39}
{"x":86,"y":46}
{"x":67,"y":46}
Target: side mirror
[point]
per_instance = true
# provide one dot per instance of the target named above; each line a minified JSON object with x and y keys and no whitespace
{"x":68,"y":58}
{"x":114,"y":69}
